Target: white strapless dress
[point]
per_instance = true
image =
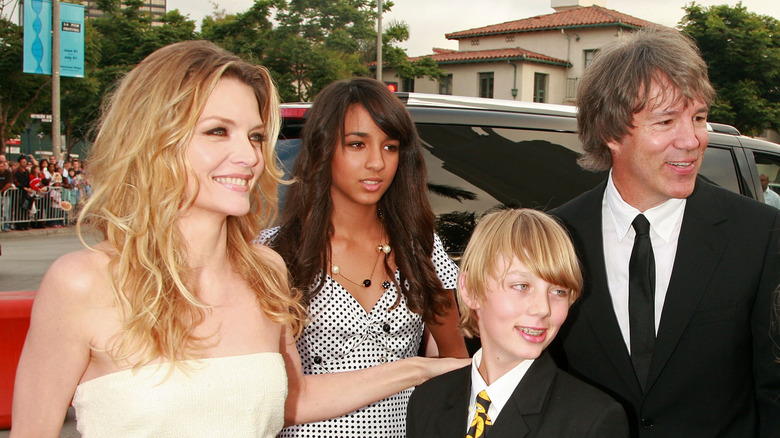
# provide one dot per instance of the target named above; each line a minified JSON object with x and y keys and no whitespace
{"x":234,"y":396}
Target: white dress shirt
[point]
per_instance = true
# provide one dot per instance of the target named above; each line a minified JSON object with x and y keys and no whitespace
{"x":771,"y":198}
{"x":616,"y":217}
{"x":499,"y":392}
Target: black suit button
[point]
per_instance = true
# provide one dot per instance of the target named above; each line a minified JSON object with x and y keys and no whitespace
{"x":647,"y":423}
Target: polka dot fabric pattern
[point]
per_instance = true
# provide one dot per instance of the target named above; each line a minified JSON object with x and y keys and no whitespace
{"x":341,"y":336}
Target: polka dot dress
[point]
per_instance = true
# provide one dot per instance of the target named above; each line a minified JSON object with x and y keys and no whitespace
{"x":341,"y":336}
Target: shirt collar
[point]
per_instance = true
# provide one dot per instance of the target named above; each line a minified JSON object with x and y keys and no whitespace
{"x":662,"y":218}
{"x":501,"y":390}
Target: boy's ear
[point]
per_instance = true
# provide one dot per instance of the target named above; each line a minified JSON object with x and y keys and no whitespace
{"x":465,"y":294}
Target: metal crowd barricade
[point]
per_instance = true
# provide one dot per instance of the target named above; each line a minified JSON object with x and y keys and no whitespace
{"x":44,"y":209}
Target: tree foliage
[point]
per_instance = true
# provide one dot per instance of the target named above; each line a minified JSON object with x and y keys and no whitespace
{"x":395,"y":57}
{"x":307,"y":44}
{"x":742,"y":51}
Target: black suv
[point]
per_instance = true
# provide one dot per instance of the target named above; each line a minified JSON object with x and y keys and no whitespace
{"x":483,"y":153}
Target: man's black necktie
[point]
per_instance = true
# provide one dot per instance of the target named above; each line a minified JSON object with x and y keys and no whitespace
{"x":641,"y":292}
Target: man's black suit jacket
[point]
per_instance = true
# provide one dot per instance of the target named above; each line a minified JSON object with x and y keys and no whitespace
{"x":713,"y":370}
{"x":546,"y":403}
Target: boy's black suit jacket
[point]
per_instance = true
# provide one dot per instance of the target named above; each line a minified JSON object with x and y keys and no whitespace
{"x":546,"y":403}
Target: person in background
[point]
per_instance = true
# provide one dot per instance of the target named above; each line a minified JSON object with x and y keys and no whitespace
{"x":172,"y":325}
{"x":31,"y":161}
{"x":674,"y":320}
{"x":52,"y":204}
{"x":357,"y":234}
{"x":6,"y":177}
{"x":770,"y":197}
{"x":56,"y":170}
{"x":519,"y":275}
{"x":35,"y":178}
{"x":74,"y":187}
{"x":6,"y":183}
{"x":39,"y":189}
{"x":45,"y":169}
{"x":21,"y":209}
{"x":66,"y":168}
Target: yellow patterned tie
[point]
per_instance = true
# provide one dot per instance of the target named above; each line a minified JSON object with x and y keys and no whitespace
{"x":481,"y":421}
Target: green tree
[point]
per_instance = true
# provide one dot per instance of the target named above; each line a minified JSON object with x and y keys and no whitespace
{"x":311,"y":43}
{"x":742,"y":51}
{"x":396,"y":58}
{"x":246,"y":34}
{"x":317,"y":42}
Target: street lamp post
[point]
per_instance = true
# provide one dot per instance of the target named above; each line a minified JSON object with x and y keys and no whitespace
{"x":55,"y":80}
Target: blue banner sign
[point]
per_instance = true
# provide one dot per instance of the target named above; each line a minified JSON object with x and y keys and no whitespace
{"x":37,"y":38}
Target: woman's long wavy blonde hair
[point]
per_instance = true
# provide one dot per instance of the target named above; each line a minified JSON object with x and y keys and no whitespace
{"x":138,"y":170}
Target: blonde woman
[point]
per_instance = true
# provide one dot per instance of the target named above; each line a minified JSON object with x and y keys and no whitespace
{"x":172,"y":325}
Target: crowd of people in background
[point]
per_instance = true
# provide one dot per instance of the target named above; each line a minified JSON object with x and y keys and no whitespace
{"x":39,"y":194}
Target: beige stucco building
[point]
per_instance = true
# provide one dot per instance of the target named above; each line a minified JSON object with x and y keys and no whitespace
{"x":537,"y":59}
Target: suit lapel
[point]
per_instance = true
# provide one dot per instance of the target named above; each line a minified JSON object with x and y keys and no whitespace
{"x":526,"y":401}
{"x":700,"y":246}
{"x":596,"y":304}
{"x":453,"y":418}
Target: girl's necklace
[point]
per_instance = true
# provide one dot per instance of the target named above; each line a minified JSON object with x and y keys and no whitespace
{"x":336,"y":270}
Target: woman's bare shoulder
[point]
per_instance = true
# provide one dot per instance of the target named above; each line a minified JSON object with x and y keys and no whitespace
{"x":78,"y":275}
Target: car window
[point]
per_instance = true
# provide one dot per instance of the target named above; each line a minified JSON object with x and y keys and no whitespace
{"x":718,"y":168}
{"x":286,"y":151}
{"x":472,"y":169}
{"x":769,"y":165}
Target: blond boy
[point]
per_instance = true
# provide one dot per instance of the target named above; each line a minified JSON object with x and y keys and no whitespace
{"x":519,"y":275}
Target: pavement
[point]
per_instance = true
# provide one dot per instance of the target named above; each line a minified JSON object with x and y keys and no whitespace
{"x":26,"y":255}
{"x":14,"y":234}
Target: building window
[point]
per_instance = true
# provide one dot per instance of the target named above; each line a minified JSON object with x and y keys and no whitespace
{"x":445,"y":84}
{"x":486,"y":85}
{"x":589,"y":54}
{"x":571,"y":87}
{"x":408,"y":84}
{"x":540,"y":87}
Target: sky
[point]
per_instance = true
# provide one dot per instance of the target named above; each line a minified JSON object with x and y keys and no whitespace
{"x":430,"y":20}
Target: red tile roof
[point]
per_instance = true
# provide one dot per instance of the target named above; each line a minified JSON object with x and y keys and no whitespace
{"x":440,"y":50}
{"x":470,"y":56}
{"x":579,"y":17}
